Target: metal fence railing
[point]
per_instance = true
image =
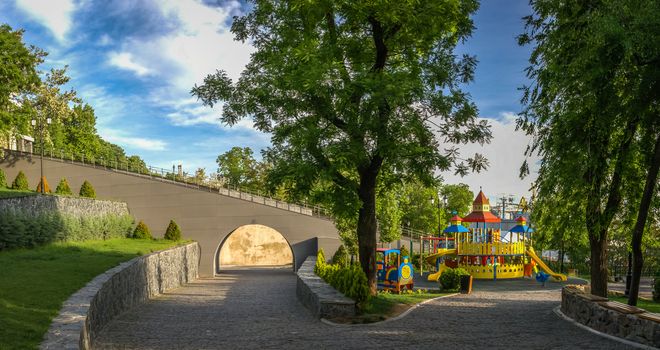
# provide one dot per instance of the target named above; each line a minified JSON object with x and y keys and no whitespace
{"x":167,"y":175}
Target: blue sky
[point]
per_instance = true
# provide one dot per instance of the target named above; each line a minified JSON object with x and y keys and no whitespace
{"x":136,"y":61}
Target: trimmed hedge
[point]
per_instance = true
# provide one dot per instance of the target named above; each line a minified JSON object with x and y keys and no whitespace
{"x":141,"y":231}
{"x":20,"y":182}
{"x":451,"y":279}
{"x":63,"y":188}
{"x":173,"y":232}
{"x":87,"y":191}
{"x":349,"y":280}
{"x":19,"y":230}
{"x":46,"y":186}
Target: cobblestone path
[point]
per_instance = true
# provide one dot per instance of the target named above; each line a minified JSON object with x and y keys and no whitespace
{"x":257,"y":309}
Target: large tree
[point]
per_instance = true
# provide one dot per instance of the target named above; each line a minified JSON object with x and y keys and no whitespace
{"x":593,"y":110}
{"x":18,"y":75}
{"x":349,"y":91}
{"x":237,"y":166}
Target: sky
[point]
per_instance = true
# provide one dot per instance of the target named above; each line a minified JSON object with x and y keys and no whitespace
{"x":135,"y":61}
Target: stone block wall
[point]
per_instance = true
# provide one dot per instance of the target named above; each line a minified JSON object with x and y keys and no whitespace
{"x":589,"y":311}
{"x":321,"y":298}
{"x":119,"y":289}
{"x":74,"y":206}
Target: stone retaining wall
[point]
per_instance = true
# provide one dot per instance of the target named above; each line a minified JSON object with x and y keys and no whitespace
{"x":321,"y":298}
{"x":75,"y":206}
{"x":588,"y":310}
{"x":121,"y":288}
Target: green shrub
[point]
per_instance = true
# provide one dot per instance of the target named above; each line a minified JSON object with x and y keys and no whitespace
{"x":656,"y":289}
{"x":20,"y":182}
{"x":3,"y":179}
{"x":451,"y":279}
{"x":341,"y":256}
{"x":173,"y":232}
{"x":63,"y":188}
{"x":21,"y":230}
{"x":404,"y":252}
{"x":141,"y":231}
{"x":87,"y":191}
{"x":349,"y":280}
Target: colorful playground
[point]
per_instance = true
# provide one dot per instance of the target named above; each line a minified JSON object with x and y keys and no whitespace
{"x":476,"y":243}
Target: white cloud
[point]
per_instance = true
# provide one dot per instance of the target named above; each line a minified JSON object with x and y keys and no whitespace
{"x":141,"y":143}
{"x":505,"y":154}
{"x":200,"y":44}
{"x":105,"y":40}
{"x":52,"y":14}
{"x":125,"y":60}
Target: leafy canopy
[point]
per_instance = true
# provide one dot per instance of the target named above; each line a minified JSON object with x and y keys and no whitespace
{"x":347,"y":86}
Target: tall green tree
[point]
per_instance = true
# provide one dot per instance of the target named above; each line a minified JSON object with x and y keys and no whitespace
{"x":459,"y":200}
{"x":237,"y":166}
{"x":18,"y":75}
{"x":389,"y":214}
{"x":592,"y":108}
{"x":351,"y":92}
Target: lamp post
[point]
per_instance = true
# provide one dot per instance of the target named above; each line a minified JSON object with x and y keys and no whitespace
{"x":41,"y":156}
{"x":444,"y":205}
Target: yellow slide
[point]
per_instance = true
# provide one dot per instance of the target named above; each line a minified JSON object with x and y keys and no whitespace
{"x":431,"y":258}
{"x":543,"y":266}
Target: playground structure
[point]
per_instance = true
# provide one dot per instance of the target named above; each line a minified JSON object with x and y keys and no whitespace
{"x":483,"y":250}
{"x":393,"y":271}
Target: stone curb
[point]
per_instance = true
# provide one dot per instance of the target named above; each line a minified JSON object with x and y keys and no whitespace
{"x":318,"y":296}
{"x":120,"y":288}
{"x":557,"y":311}
{"x":395,"y":318}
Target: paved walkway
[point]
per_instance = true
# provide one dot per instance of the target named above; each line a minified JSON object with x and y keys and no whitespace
{"x":257,"y":308}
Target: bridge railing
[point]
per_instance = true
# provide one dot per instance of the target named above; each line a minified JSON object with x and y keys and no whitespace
{"x":166,"y":175}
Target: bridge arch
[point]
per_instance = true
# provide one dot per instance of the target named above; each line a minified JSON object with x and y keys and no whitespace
{"x":254,"y":245}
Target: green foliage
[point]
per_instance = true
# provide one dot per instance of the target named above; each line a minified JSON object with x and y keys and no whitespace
{"x":404,"y":252}
{"x":35,"y":282}
{"x":20,"y":182}
{"x":22,"y":230}
{"x":63,"y":188}
{"x":389,"y":214}
{"x":341,"y":257}
{"x":238,"y":167}
{"x":3,"y":179}
{"x":173,"y":232}
{"x":459,"y":199}
{"x":87,"y":191}
{"x":141,"y":231}
{"x":613,"y":101}
{"x":348,"y":279}
{"x":656,"y":289}
{"x":339,"y":87}
{"x":450,"y":280}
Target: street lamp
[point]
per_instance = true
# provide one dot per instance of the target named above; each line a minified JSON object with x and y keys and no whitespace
{"x":41,"y":137}
{"x":444,"y":205}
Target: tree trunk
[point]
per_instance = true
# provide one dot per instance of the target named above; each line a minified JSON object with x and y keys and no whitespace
{"x":366,"y":227}
{"x":638,"y":231}
{"x":598,"y":265}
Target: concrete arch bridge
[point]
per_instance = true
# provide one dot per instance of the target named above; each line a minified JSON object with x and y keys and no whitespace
{"x":260,"y":230}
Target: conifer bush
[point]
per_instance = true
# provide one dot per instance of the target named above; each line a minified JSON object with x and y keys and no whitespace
{"x":20,"y":182}
{"x":141,"y":231}
{"x":63,"y":188}
{"x":341,"y":256}
{"x":3,"y":179}
{"x":87,"y":191}
{"x":173,"y":232}
{"x":43,"y":182}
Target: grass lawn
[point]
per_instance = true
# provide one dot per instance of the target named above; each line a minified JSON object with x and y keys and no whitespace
{"x":35,"y":282}
{"x":386,"y":305}
{"x":648,"y":305}
{"x":9,"y":193}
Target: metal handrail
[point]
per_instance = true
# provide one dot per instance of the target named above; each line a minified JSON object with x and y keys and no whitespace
{"x":164,"y":175}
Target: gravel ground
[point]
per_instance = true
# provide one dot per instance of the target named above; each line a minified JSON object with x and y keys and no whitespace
{"x":257,"y":308}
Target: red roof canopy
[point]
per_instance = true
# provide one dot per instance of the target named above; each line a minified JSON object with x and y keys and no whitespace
{"x":481,"y":199}
{"x":456,"y":218}
{"x":521,"y":218}
{"x":481,"y":216}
